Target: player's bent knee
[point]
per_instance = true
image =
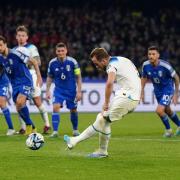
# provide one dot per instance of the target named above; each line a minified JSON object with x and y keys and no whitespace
{"x":100,"y":121}
{"x":37,"y":101}
{"x":56,"y":108}
{"x":160,"y":112}
{"x":100,"y":125}
{"x":73,"y":110}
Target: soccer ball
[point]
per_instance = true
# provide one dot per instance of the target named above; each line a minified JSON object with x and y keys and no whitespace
{"x":35,"y":141}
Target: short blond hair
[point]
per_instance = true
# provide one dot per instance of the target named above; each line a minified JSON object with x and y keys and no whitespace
{"x":22,"y":28}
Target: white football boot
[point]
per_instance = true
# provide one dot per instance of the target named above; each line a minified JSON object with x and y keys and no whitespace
{"x":10,"y":132}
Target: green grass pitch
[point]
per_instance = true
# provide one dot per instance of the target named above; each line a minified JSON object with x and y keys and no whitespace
{"x":137,"y":151}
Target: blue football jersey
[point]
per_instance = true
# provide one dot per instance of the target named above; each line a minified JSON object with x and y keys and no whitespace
{"x":15,"y":67}
{"x":4,"y":81}
{"x":64,"y":74}
{"x":161,"y":76}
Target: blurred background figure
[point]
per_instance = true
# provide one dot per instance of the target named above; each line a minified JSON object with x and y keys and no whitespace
{"x":4,"y":86}
{"x":22,"y":37}
{"x":121,"y":26}
{"x":65,"y":72}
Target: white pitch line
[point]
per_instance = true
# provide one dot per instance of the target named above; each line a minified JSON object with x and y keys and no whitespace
{"x":145,"y":139}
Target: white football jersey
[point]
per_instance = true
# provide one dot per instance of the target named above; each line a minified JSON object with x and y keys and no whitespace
{"x":127,"y":77}
{"x":23,"y":53}
{"x":33,"y":50}
{"x":33,"y":53}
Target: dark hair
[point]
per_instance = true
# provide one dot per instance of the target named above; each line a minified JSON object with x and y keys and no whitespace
{"x":22,"y":28}
{"x":2,"y":38}
{"x":99,"y":53}
{"x":153,"y":48}
{"x":61,"y":44}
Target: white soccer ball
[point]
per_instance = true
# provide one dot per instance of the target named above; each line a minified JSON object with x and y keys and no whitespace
{"x":35,"y":141}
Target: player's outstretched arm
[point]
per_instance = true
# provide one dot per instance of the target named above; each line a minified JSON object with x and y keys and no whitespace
{"x":109,"y":89}
{"x":34,"y":63}
{"x":79,"y":86}
{"x":176,"y":82}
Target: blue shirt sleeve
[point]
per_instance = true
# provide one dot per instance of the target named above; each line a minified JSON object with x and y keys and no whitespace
{"x":22,"y":53}
{"x":144,"y":72}
{"x":49,"y":72}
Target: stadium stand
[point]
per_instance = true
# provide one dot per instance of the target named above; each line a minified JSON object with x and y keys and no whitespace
{"x":119,"y":27}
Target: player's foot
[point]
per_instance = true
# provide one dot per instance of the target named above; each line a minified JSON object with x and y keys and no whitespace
{"x":67,"y":139}
{"x":168,"y":133}
{"x":54,"y":135}
{"x":28,"y":129}
{"x":177,"y":132}
{"x":21,"y":131}
{"x":98,"y":154}
{"x":76,"y":133}
{"x":10,"y":132}
{"x":46,"y":129}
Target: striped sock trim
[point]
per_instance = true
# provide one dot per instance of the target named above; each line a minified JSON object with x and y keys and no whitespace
{"x":100,"y":131}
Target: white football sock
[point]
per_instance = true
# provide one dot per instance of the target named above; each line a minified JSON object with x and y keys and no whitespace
{"x":87,"y":133}
{"x":44,"y":115}
{"x":98,"y":126}
{"x":104,"y":138}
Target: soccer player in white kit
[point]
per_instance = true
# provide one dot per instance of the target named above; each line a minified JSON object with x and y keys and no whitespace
{"x":126,"y":98}
{"x":22,"y":37}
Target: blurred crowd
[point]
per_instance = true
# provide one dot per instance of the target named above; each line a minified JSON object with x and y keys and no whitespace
{"x":124,"y":32}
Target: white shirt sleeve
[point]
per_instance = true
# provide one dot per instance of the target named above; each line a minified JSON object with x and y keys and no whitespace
{"x":111,"y":68}
{"x":23,"y":54}
{"x":33,"y":51}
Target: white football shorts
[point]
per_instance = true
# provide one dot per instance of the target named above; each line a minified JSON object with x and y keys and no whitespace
{"x":120,"y":106}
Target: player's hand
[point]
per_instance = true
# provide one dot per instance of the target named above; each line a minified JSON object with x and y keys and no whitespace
{"x":48,"y":95}
{"x":78,"y":96}
{"x":105,"y":107}
{"x":175,"y":99}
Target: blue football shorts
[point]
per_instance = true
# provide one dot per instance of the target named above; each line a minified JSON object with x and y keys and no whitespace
{"x":68,"y":98}
{"x":23,"y":89}
{"x":4,"y":91}
{"x":164,"y":99}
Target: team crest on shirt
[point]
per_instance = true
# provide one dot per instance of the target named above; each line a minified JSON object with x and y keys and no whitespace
{"x":57,"y":69}
{"x":149,"y":73}
{"x":68,"y":67}
{"x":160,"y":73}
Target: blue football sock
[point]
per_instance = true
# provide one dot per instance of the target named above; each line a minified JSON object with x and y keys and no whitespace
{"x":24,"y":113}
{"x":7,"y":116}
{"x":74,"y":120}
{"x":55,"y":121}
{"x":175,"y":119}
{"x":165,"y":121}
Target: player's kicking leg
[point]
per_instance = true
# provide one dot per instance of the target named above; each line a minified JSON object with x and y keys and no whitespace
{"x":101,"y":126}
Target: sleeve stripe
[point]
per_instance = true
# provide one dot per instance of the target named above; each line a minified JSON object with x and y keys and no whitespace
{"x":173,"y":73}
